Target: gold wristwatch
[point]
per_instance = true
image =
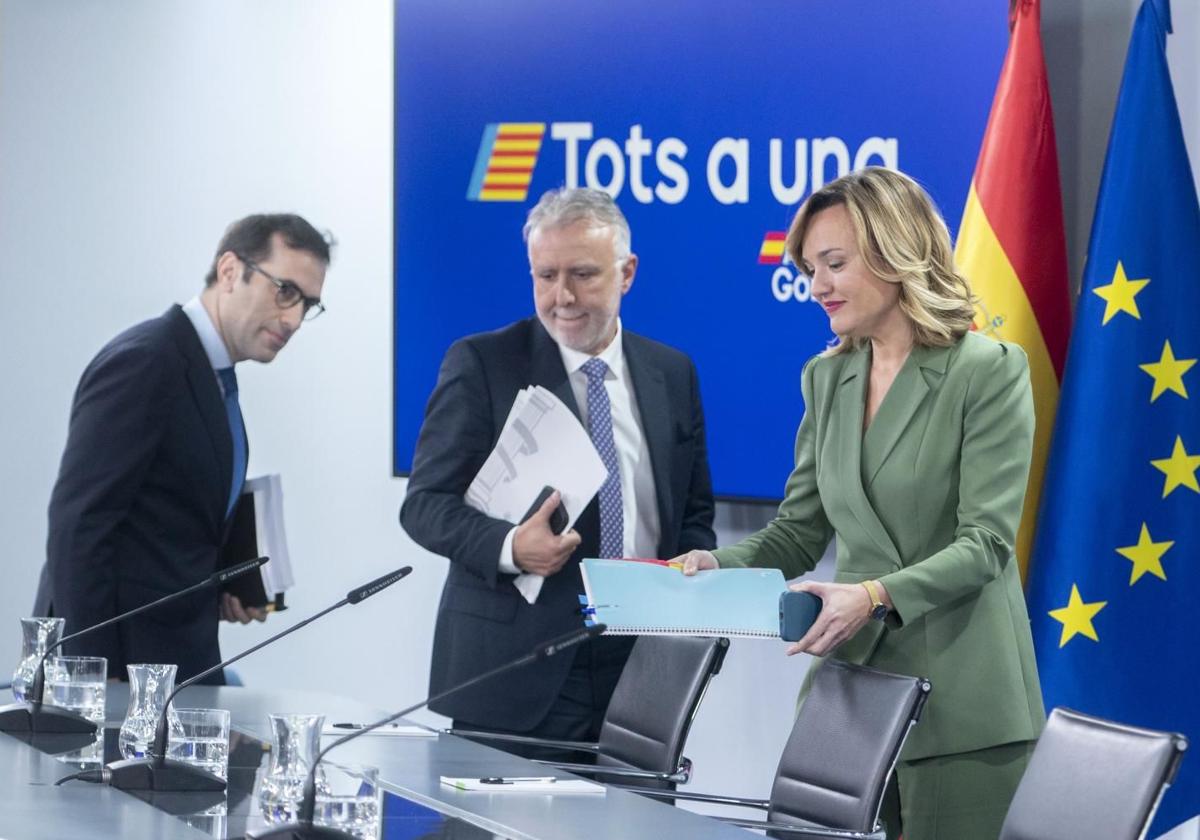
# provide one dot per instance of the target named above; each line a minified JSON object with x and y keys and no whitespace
{"x":879,"y":609}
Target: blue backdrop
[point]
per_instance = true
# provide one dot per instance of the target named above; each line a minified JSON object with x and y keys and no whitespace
{"x":673,"y":106}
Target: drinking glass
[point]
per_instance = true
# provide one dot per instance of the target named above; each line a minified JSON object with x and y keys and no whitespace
{"x":37,"y":635}
{"x":149,"y":687}
{"x":295,"y":742}
{"x":78,"y":683}
{"x":203,"y":740}
{"x":350,"y":801}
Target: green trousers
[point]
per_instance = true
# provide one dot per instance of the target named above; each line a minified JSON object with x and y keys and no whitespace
{"x":954,"y":797}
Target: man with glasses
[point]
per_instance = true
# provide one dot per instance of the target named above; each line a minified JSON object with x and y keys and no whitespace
{"x":156,"y":453}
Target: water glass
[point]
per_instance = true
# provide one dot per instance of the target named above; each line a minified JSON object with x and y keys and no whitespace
{"x":295,"y":742}
{"x":350,"y":800}
{"x":149,"y":687}
{"x":203,"y":740}
{"x":37,"y":635}
{"x":78,"y":683}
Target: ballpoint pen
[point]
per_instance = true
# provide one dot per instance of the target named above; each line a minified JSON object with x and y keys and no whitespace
{"x":363,"y":726}
{"x":508,"y":780}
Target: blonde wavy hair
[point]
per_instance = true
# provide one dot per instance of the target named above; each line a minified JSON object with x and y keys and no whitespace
{"x":902,"y":239}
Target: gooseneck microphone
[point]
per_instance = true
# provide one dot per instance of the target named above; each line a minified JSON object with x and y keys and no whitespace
{"x":303,"y":828}
{"x":155,"y":771}
{"x":33,"y":716}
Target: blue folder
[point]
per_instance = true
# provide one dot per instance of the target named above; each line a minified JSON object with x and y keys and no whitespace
{"x":632,"y":597}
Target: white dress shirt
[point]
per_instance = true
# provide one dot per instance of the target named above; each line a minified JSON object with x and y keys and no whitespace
{"x":639,"y":503}
{"x":214,"y":347}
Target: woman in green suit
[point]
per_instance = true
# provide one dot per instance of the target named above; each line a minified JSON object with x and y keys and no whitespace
{"x":914,"y":451}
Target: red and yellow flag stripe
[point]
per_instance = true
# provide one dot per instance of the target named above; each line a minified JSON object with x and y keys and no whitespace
{"x":511,"y":166}
{"x":771,"y":250}
{"x":1011,"y":243}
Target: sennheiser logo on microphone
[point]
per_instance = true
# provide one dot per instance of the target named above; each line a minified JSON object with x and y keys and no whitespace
{"x":383,"y":585}
{"x":241,"y":568}
{"x":367,"y":590}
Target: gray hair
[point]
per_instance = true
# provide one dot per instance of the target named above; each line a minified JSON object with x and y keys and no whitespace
{"x":566,"y":206}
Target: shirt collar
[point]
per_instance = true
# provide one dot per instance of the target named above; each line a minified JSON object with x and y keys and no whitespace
{"x":613,"y":355}
{"x":214,"y":347}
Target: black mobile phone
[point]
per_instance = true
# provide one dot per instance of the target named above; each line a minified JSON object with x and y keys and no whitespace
{"x":558,"y":519}
{"x":797,"y":612}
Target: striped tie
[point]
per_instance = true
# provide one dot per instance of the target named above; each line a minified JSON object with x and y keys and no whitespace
{"x":612,"y":517}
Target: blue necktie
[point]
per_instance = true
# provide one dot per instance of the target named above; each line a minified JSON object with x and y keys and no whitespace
{"x":233,"y":414}
{"x":612,"y":517}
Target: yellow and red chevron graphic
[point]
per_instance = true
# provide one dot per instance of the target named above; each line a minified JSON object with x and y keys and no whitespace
{"x":504,"y":166}
{"x":771,"y":250}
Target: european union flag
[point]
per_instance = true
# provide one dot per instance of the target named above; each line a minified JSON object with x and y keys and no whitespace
{"x":1115,"y":583}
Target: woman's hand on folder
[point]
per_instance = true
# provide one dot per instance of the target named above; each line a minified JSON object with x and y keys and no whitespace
{"x":697,"y":561}
{"x":537,"y":549}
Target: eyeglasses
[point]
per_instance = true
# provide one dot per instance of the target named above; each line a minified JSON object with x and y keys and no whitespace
{"x":287,"y":293}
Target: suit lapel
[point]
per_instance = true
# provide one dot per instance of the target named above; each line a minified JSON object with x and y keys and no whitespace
{"x":901,"y":402}
{"x":207,"y":394}
{"x":546,"y":368}
{"x":846,"y":439}
{"x":900,"y":406}
{"x":650,"y":392}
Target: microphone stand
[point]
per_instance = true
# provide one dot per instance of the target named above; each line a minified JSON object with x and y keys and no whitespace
{"x":157,"y":772}
{"x":33,"y":716}
{"x":304,"y":829}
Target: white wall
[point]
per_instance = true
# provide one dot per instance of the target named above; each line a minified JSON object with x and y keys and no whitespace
{"x":132,"y":132}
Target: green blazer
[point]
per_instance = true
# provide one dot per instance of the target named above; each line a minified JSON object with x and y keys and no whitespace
{"x":928,"y":502}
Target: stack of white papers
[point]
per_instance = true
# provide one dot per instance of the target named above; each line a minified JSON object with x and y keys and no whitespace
{"x":556,"y":787}
{"x":542,"y":445}
{"x":268,"y":527}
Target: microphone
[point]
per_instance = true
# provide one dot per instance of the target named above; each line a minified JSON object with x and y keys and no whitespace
{"x":155,"y":771}
{"x":303,"y":828}
{"x":32,"y":716}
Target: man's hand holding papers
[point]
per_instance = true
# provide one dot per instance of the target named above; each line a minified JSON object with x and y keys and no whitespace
{"x":541,"y":445}
{"x":537,"y":550}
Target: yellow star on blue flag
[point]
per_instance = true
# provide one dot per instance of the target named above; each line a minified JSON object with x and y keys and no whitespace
{"x":1117,"y":637}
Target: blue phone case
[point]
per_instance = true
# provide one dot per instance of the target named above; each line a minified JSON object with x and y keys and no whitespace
{"x":797,"y":612}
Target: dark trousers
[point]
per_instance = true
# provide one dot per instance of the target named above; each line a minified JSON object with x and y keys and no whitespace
{"x":578,"y":711}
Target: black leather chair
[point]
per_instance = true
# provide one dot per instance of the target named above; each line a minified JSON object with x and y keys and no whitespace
{"x":839,"y":757}
{"x":1090,"y":777}
{"x":649,"y":716}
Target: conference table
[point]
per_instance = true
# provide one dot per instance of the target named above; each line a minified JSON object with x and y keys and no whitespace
{"x":33,"y":808}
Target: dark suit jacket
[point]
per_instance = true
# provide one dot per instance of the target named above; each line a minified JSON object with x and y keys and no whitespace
{"x":138,"y":510}
{"x":483,"y":621}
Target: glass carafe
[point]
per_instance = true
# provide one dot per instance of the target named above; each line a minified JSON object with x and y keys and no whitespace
{"x":149,"y":687}
{"x":295,"y":742}
{"x":37,"y":634}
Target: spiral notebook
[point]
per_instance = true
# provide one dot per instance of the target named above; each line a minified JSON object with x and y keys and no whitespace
{"x":649,"y":599}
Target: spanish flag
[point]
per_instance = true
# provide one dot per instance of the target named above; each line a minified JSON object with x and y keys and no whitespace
{"x":1011,"y":244}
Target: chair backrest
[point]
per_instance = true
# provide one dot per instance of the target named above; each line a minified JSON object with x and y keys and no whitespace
{"x":844,"y":745}
{"x":655,"y":700}
{"x":1090,"y":777}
